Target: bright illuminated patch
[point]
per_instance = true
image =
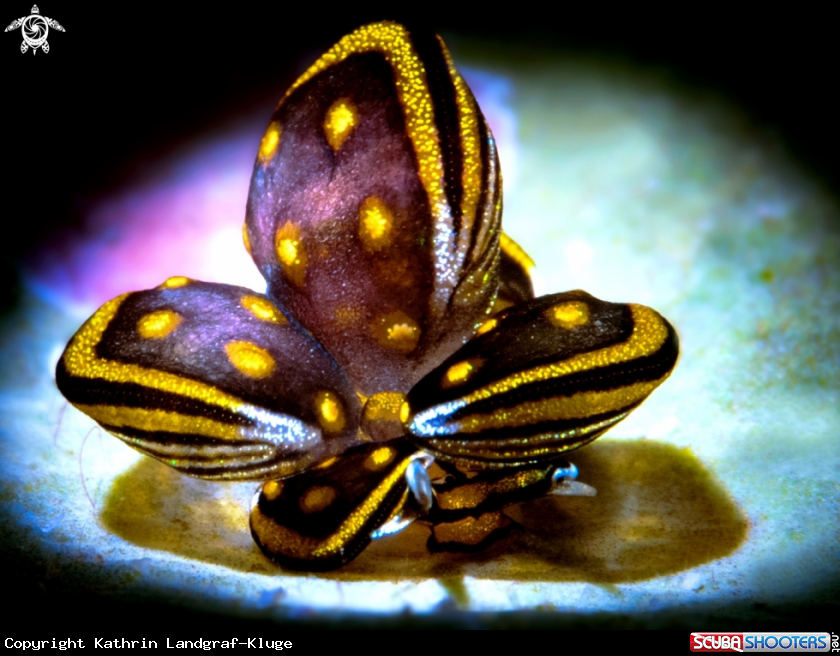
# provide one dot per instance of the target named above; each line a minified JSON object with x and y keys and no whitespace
{"x":330,"y":412}
{"x":157,"y":325}
{"x":568,"y":315}
{"x":341,"y":118}
{"x":376,"y":224}
{"x":317,"y":498}
{"x":291,"y":253}
{"x":269,"y":143}
{"x":397,"y":331}
{"x":263,"y":309}
{"x":250,"y":359}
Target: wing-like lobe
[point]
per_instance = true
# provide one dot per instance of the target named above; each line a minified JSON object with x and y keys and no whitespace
{"x":541,"y":378}
{"x":214,"y":380}
{"x":375,"y":205}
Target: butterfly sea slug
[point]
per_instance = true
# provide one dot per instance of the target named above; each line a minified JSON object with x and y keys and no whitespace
{"x":399,"y":328}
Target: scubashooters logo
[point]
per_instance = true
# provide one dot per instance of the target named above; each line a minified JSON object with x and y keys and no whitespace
{"x":766,"y":642}
{"x":34,"y":29}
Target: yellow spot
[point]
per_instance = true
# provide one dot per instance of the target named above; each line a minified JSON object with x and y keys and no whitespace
{"x":395,"y":44}
{"x":650,"y":332}
{"x":245,"y":239}
{"x":397,"y":331}
{"x":376,"y":224}
{"x":379,"y":458}
{"x":383,"y":406}
{"x":81,"y":360}
{"x":327,"y":463}
{"x":269,"y":143}
{"x":272,"y":490}
{"x":341,"y":118}
{"x":568,"y":315}
{"x":317,"y":498}
{"x":291,"y":253}
{"x":158,"y":324}
{"x":347,"y":315}
{"x":487,"y":326}
{"x":405,"y":412}
{"x":460,"y":372}
{"x":380,"y":416}
{"x":263,"y":309}
{"x":175,"y":281}
{"x":330,"y":411}
{"x":250,"y":359}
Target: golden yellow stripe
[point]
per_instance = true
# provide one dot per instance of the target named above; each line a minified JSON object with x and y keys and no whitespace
{"x":515,"y":252}
{"x":470,"y":495}
{"x":160,"y":421}
{"x":472,"y":179}
{"x":81,"y":360}
{"x":285,"y":541}
{"x":393,"y":42}
{"x":648,"y":336}
{"x":577,"y":406}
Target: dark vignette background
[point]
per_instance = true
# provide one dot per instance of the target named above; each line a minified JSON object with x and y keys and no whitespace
{"x":124,"y":85}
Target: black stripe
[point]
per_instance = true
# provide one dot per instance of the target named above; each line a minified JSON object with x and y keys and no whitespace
{"x":506,"y":436}
{"x":197,"y":440}
{"x":601,"y":379}
{"x":444,"y":101}
{"x":494,"y":499}
{"x":480,"y":209}
{"x":95,"y":391}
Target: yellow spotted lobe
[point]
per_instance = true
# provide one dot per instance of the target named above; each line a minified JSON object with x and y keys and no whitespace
{"x":568,"y":315}
{"x":157,"y":325}
{"x":262,"y":309}
{"x":341,"y":118}
{"x":317,"y":498}
{"x":250,"y":359}
{"x":330,"y":412}
{"x":291,"y":253}
{"x":269,"y":143}
{"x":396,"y":331}
{"x":376,"y":224}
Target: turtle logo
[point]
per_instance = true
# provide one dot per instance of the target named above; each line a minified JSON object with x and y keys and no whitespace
{"x":34,"y":29}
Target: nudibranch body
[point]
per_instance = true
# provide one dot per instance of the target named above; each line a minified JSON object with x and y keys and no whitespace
{"x":399,"y":328}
